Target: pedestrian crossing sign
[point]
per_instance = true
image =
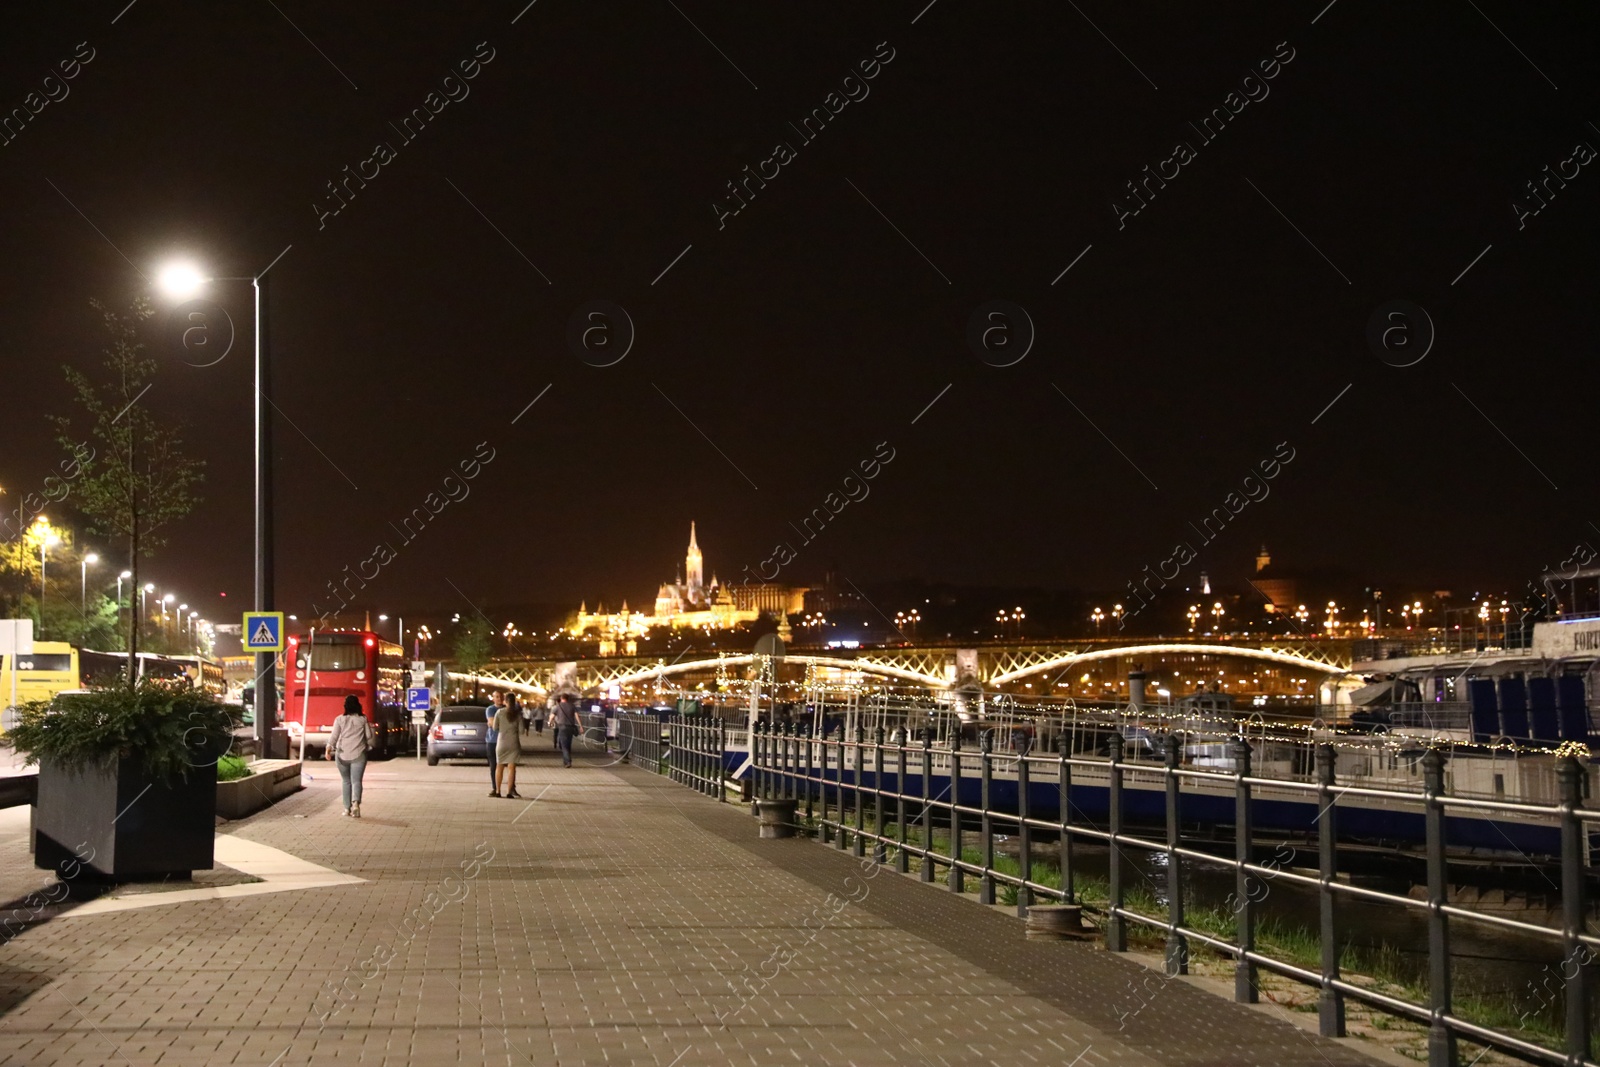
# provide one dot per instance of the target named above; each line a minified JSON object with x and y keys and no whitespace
{"x":263,"y":631}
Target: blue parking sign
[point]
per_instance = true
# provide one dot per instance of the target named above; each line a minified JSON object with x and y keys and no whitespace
{"x":418,"y":699}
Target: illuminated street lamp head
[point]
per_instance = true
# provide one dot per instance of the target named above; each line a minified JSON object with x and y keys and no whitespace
{"x":180,"y":280}
{"x":125,"y":575}
{"x":91,"y":558}
{"x":149,"y":587}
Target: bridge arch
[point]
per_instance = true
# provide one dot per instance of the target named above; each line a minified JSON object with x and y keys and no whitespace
{"x":903,"y":674}
{"x":1070,"y":659}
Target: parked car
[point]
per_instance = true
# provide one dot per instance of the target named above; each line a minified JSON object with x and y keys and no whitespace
{"x":459,"y":732}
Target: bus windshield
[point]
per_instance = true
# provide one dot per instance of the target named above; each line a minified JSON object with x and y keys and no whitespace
{"x":339,"y":652}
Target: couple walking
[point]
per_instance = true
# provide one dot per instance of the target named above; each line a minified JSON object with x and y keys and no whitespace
{"x":506,"y":725}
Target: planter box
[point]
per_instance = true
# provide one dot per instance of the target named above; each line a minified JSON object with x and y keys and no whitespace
{"x":270,"y":781}
{"x":117,"y":822}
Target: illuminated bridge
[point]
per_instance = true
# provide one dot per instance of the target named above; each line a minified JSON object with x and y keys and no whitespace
{"x":934,"y":666}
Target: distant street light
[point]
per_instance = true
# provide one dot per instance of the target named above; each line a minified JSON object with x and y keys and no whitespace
{"x":1097,"y":617}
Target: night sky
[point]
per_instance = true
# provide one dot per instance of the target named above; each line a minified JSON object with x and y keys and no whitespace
{"x":1374,"y":155}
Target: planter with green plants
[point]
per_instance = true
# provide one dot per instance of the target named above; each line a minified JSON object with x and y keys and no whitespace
{"x":127,"y":778}
{"x":245,"y":788}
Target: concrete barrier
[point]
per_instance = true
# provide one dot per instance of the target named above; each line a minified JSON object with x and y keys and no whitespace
{"x":270,"y":781}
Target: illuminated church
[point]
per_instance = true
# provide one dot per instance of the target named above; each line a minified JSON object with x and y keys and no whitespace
{"x":689,"y":602}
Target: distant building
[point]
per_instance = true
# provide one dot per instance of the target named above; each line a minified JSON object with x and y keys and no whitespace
{"x":689,"y":602}
{"x":1274,"y":584}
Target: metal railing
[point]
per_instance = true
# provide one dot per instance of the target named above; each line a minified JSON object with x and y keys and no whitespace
{"x":825,"y":775}
{"x":696,"y":759}
{"x":641,"y":739}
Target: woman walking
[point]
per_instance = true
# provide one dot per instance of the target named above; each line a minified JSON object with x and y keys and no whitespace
{"x":507,"y":749}
{"x":348,"y":743}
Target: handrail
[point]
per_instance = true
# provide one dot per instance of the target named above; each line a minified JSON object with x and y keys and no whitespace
{"x":829,"y":779}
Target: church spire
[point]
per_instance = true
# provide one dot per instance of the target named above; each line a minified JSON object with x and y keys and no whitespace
{"x":694,"y":568}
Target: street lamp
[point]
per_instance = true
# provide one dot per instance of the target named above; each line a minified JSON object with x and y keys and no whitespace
{"x":120,"y":579}
{"x":83,"y":582}
{"x":163,"y":602}
{"x":45,"y":535}
{"x":1193,"y":615}
{"x":1097,"y":617}
{"x":182,"y":280}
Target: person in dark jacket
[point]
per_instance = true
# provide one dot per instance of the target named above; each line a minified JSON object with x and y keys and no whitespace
{"x":566,"y":722}
{"x":498,"y":700}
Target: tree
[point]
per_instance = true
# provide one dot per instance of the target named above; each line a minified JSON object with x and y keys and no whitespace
{"x":472,"y":654}
{"x":138,"y":481}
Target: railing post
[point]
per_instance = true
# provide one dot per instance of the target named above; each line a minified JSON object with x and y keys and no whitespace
{"x":1064,"y":780}
{"x":927,"y":805}
{"x":755,"y":762}
{"x":1024,"y":838}
{"x":1244,"y":905}
{"x":1330,"y":1003}
{"x":673,"y":770}
{"x":839,"y":841}
{"x":811,"y":775}
{"x":986,"y":781}
{"x":1116,"y":926}
{"x":788,"y":790}
{"x":957,"y":880}
{"x":879,"y":854}
{"x":722,"y":755}
{"x":1441,"y":1039}
{"x":861,"y":811}
{"x":792,"y":735}
{"x":822,"y":755}
{"x":1574,"y":910}
{"x":697,"y":731}
{"x":902,"y":860}
{"x":1177,"y":944}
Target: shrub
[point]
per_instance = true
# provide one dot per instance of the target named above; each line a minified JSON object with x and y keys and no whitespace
{"x":230,"y":768}
{"x":165,"y":730}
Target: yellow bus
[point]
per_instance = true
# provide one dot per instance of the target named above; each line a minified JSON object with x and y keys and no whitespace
{"x":52,"y":667}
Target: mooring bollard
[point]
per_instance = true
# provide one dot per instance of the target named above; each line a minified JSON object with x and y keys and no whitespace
{"x":776,"y":817}
{"x":1056,"y":922}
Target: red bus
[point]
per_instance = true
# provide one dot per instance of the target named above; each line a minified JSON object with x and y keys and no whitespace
{"x":344,"y":663}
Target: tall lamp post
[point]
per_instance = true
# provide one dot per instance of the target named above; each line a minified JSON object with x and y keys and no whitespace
{"x":83,"y":582}
{"x":124,"y":576}
{"x":182,"y":280}
{"x":46,"y":535}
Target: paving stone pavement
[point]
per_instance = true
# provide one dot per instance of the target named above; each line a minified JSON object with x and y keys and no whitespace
{"x":617,"y":919}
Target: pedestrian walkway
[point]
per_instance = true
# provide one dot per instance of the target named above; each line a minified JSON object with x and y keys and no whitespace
{"x":610,"y":917}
